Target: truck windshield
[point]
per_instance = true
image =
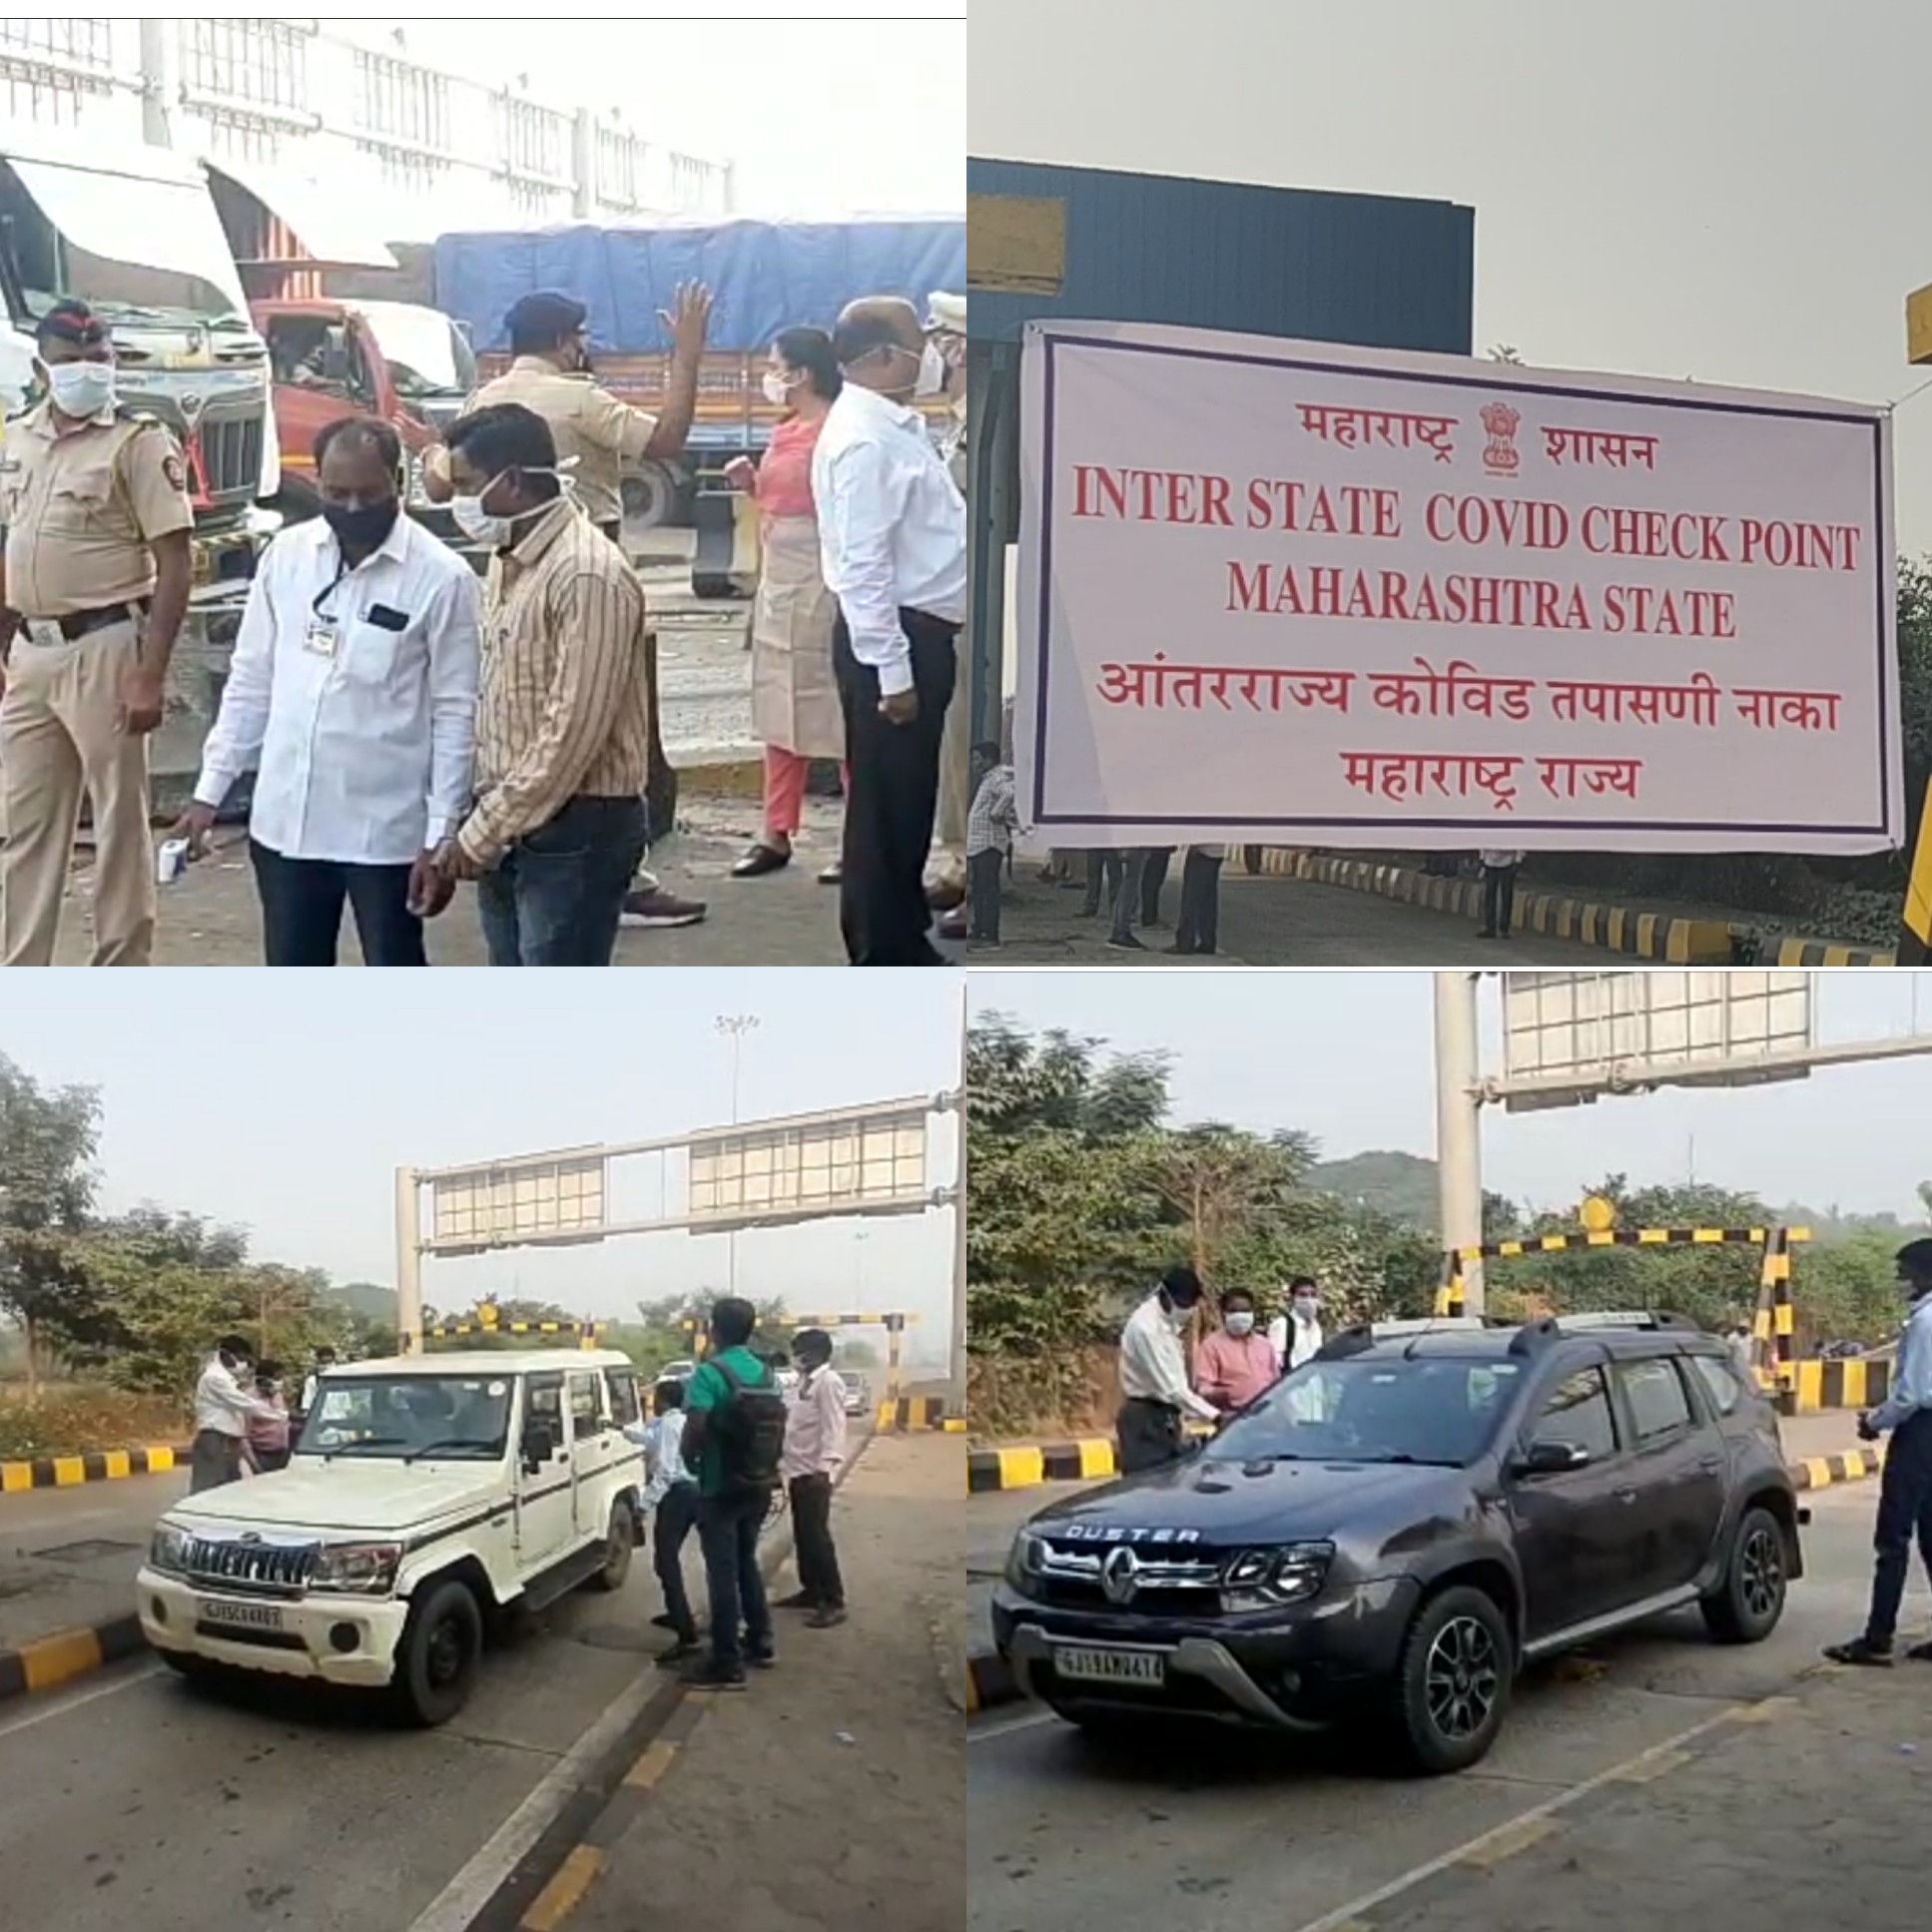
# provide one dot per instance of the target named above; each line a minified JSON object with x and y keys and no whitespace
{"x":426,"y":354}
{"x":1376,"y":1411}
{"x":393,"y":1417}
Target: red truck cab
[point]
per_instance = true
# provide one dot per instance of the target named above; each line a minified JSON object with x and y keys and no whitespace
{"x":331,"y":357}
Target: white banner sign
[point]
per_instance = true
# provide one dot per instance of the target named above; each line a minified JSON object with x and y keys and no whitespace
{"x":1293,"y":593}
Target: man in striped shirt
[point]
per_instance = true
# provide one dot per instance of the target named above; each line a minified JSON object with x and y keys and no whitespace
{"x":562,"y":729}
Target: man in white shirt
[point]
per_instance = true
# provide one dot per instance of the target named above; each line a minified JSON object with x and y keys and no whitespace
{"x":1156,"y":1398}
{"x":353,"y":684}
{"x":671,"y":1498}
{"x":222,"y":1410}
{"x":814,"y":1446}
{"x":1499,"y":891}
{"x":1297,"y":1335}
{"x":892,"y":532}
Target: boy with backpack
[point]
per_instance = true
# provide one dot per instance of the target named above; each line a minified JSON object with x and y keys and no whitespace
{"x":734,"y":1438}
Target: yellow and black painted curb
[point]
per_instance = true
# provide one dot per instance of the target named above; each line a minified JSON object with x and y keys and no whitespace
{"x":559,"y":1871}
{"x":1821,"y":1472}
{"x":1825,"y":953}
{"x":990,"y":1683}
{"x":904,"y":1415}
{"x":1557,"y":915}
{"x":96,"y":1466}
{"x":50,"y":1661}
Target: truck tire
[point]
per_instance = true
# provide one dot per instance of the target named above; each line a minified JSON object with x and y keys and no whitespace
{"x":620,"y":1543}
{"x":1749,"y":1597}
{"x":439,"y":1655}
{"x":1453,"y":1683}
{"x":650,"y":494}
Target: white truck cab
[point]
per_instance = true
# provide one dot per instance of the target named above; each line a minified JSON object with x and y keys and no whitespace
{"x":427,"y":1498}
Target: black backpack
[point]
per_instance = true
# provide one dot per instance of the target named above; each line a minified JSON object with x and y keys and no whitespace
{"x":749,"y":1428}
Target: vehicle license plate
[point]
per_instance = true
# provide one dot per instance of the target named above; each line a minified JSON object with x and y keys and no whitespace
{"x":247,"y":1617}
{"x":1149,"y":1668}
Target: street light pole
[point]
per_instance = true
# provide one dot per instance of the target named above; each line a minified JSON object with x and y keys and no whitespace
{"x":408,"y":1262}
{"x":1459,"y":1141}
{"x":734,"y":1028}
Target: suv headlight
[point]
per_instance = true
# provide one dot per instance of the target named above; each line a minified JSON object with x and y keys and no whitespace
{"x":1270,"y":1579}
{"x":358,"y":1568}
{"x":168,"y":1551}
{"x":1024,"y":1563}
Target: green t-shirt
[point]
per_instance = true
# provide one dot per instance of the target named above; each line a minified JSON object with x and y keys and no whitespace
{"x":708,"y":1390}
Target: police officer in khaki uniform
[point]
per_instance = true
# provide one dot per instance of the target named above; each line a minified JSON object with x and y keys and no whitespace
{"x":597,"y":435}
{"x":94,"y":501}
{"x":946,"y":875}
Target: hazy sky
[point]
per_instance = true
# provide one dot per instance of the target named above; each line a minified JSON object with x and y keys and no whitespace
{"x":863,"y":114}
{"x":1349,"y":1057}
{"x":285,"y":1101}
{"x":1731,"y":190}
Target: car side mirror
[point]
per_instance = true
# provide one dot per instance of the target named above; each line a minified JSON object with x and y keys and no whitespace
{"x":539,"y":1443}
{"x":1551,"y":1459}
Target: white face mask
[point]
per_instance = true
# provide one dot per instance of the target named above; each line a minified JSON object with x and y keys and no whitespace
{"x":1242,"y":1324}
{"x":1178,"y":1318}
{"x":934,"y":370}
{"x":81,"y":390}
{"x":1306,"y":1307}
{"x":778,"y":391}
{"x":485,"y":526}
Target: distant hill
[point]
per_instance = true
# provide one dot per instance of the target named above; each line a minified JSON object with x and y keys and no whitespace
{"x":1399,"y":1185}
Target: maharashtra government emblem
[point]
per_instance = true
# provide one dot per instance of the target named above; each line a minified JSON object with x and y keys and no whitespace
{"x":1499,"y":455}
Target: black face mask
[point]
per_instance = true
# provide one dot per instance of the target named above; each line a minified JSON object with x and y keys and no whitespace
{"x":361,"y":526}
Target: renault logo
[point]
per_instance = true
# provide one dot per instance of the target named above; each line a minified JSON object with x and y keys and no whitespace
{"x":1120,"y":1575}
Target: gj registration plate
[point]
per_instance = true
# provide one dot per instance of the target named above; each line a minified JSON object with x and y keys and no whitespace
{"x":241,"y":1617}
{"x":1148,"y":1669}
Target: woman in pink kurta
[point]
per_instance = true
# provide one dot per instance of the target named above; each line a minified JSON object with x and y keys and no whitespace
{"x":795,"y":700}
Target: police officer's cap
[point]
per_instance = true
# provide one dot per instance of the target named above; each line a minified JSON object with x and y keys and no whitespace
{"x":948,"y":312}
{"x":71,"y":321}
{"x":545,"y":318}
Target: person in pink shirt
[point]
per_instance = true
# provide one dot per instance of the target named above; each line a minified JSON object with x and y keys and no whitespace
{"x":1234,"y":1365}
{"x":795,"y":700}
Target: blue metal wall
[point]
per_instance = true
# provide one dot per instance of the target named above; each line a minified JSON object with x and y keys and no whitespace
{"x":1364,"y":269}
{"x":1369,"y":269}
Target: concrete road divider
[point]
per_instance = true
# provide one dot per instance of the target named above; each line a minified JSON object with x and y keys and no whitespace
{"x":1557,"y":915}
{"x":1091,"y":1459}
{"x":96,"y":1466}
{"x":50,"y":1661}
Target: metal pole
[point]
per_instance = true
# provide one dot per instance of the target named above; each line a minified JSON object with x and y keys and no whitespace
{"x":734,"y":1028}
{"x":409,"y":1263}
{"x":1459,"y":1140}
{"x":957,"y":1405}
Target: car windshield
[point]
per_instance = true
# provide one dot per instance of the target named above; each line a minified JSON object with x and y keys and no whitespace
{"x":393,"y":1418}
{"x":1375,"y":1410}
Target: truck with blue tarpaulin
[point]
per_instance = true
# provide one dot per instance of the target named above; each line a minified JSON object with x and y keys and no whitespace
{"x":765,"y":278}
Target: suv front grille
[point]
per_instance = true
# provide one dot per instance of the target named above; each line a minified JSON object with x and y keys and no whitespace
{"x":250,"y":1566}
{"x":1163,"y":1584}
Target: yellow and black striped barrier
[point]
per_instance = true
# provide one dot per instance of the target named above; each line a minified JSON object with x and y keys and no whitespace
{"x":1915,"y":924}
{"x":1557,"y":915}
{"x":96,"y":1466}
{"x":584,"y":1332}
{"x":50,"y":1661}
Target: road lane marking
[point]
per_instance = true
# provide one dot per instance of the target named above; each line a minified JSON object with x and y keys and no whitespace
{"x":651,"y":1766}
{"x":986,"y":1734}
{"x":565,"y":1893}
{"x":1510,"y":1840}
{"x":61,"y":1706}
{"x":1483,"y":1847}
{"x":453,"y":1908}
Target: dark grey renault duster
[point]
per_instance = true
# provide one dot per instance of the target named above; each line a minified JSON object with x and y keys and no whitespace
{"x":1403,"y":1522}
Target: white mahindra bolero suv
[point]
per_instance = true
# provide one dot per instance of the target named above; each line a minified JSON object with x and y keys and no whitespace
{"x":427,"y":1497}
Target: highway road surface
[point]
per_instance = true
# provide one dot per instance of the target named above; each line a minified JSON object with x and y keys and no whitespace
{"x":132,"y":1800}
{"x":1271,"y":921}
{"x":1226,"y":1834}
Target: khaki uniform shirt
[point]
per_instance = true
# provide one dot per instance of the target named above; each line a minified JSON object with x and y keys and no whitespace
{"x":588,"y":424}
{"x":81,"y":508}
{"x":563,"y":711}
